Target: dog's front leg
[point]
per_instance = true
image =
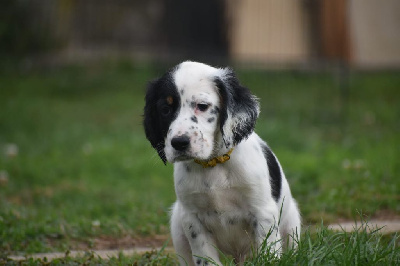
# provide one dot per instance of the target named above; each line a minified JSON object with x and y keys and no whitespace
{"x":202,"y":243}
{"x":267,"y":229}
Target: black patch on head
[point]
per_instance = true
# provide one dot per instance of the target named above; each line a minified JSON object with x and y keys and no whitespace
{"x":210,"y":120}
{"x":238,"y":101}
{"x":194,"y":119}
{"x":274,"y":172}
{"x":160,"y":112}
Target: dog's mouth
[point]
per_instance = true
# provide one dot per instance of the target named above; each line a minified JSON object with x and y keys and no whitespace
{"x":182,"y":157}
{"x":186,"y":156}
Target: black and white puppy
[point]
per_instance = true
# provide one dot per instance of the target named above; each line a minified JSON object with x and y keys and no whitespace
{"x":231,"y":190}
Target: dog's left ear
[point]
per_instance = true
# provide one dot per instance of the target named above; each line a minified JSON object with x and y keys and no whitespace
{"x":239,"y":109}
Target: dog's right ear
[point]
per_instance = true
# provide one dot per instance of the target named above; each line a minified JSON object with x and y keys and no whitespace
{"x":151,"y":118}
{"x":162,"y":102}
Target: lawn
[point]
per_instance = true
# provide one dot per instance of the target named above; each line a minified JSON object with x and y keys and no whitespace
{"x":75,"y":164}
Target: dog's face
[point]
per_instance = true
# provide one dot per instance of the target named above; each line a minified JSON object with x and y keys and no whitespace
{"x":194,"y":110}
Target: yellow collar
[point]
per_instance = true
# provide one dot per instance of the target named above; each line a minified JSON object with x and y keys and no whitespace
{"x":213,"y":162}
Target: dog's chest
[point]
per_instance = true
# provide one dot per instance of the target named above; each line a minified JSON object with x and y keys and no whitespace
{"x":211,"y":192}
{"x":220,"y":202}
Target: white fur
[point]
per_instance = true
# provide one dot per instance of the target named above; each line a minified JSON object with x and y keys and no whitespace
{"x":229,"y":207}
{"x":194,"y":82}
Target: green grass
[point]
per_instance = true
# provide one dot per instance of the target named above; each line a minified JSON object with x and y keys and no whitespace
{"x":325,"y":247}
{"x":84,"y":168}
{"x":82,"y":159}
{"x":321,"y":246}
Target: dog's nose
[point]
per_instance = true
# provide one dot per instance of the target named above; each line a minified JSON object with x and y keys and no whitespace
{"x":180,"y":143}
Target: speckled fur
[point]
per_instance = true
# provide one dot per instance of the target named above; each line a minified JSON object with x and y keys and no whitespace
{"x":233,"y":206}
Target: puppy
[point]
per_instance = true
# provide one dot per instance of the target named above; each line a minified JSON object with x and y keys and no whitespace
{"x":231,"y":191}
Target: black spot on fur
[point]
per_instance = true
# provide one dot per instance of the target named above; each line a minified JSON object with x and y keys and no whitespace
{"x":188,"y":169}
{"x":255,"y":224}
{"x":193,"y":234}
{"x":274,"y":172}
{"x":211,"y":119}
{"x":157,"y":117}
{"x":194,"y":119}
{"x":198,"y":261}
{"x":182,"y":91}
{"x":214,"y":110}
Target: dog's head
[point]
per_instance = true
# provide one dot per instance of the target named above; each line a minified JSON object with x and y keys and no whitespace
{"x":194,"y":111}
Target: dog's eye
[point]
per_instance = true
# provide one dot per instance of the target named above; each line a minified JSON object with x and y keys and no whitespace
{"x":202,"y":106}
{"x":165,"y":110}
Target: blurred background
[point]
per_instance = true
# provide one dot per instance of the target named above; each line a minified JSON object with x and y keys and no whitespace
{"x":76,"y":170}
{"x":362,"y":33}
